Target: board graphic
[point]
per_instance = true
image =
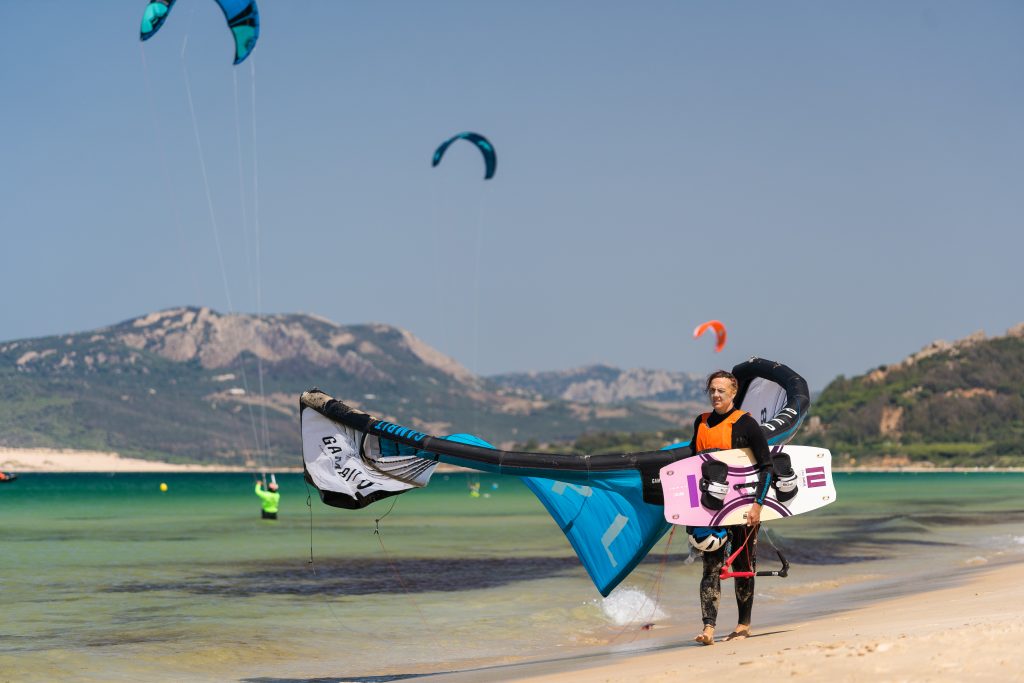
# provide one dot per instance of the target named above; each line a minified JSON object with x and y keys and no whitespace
{"x":680,"y":482}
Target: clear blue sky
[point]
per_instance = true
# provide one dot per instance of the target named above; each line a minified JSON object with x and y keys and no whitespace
{"x":839,"y":182}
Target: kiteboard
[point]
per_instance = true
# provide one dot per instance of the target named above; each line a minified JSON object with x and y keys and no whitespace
{"x":681,"y":485}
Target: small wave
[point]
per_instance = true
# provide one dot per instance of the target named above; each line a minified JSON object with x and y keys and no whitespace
{"x":998,"y":543}
{"x":630,"y":606}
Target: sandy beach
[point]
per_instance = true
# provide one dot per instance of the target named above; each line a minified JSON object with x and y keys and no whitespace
{"x":22,"y":460}
{"x":967,"y":632}
{"x":67,"y":460}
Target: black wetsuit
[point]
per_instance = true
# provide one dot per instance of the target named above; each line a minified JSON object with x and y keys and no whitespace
{"x":746,"y":433}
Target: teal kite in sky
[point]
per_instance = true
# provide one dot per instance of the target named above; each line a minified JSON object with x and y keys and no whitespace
{"x":482,"y":143}
{"x":242,"y":16}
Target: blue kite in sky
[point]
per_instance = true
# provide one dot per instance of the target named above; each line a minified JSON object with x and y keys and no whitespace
{"x":242,"y":16}
{"x":482,"y":143}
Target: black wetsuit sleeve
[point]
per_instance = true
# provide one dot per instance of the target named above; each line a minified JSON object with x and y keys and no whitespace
{"x":747,"y":429}
{"x":693,"y":439}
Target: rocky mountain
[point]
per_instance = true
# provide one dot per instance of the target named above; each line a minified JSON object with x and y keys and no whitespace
{"x":194,"y":385}
{"x":607,"y":385}
{"x":959,"y":403}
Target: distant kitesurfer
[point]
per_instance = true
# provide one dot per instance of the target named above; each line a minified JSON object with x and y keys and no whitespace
{"x":725,"y":428}
{"x":269,"y":499}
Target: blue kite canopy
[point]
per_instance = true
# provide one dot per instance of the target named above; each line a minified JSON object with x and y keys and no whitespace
{"x":610,"y":506}
{"x":242,"y":16}
{"x":482,"y":143}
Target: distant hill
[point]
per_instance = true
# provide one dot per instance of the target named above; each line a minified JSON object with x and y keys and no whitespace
{"x":606,"y":384}
{"x":193,"y":385}
{"x":959,"y":403}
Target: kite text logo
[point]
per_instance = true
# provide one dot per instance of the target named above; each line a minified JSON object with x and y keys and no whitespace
{"x":341,"y":457}
{"x":352,"y":475}
{"x":398,"y":431}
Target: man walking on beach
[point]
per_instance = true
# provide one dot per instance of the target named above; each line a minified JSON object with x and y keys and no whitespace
{"x":724,"y":428}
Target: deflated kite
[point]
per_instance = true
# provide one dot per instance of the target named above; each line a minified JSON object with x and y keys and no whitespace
{"x":242,"y":16}
{"x":482,"y":143}
{"x":609,"y":506}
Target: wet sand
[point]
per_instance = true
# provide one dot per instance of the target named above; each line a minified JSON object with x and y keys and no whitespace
{"x":970,"y":631}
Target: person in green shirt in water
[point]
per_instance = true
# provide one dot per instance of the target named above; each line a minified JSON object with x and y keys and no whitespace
{"x":269,"y":499}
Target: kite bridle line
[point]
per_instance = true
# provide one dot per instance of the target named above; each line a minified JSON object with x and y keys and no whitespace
{"x":261,"y":453}
{"x":261,"y":448}
{"x":391,"y":564}
{"x":727,"y":572}
{"x":312,"y":565}
{"x":398,"y":574}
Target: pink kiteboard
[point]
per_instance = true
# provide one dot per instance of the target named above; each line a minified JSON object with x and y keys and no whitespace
{"x":680,"y":483}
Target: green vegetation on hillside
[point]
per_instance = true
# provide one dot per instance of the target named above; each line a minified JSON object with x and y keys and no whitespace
{"x":962,"y":406}
{"x":185,"y":385}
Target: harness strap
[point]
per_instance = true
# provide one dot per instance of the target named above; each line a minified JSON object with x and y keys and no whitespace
{"x":728,"y":573}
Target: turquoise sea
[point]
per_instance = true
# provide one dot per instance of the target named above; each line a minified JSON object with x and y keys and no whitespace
{"x":104,"y":577}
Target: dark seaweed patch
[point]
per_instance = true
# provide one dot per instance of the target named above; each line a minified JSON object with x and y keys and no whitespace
{"x":362,"y":576}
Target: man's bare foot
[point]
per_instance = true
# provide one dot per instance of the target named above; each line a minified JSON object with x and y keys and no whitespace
{"x":742,"y":631}
{"x":707,"y":636}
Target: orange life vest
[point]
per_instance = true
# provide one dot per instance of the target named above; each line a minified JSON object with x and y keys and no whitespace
{"x":719,"y":436}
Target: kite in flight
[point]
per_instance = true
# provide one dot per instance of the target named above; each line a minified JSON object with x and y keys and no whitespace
{"x":719,"y":329}
{"x":242,"y":16}
{"x":482,"y":143}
